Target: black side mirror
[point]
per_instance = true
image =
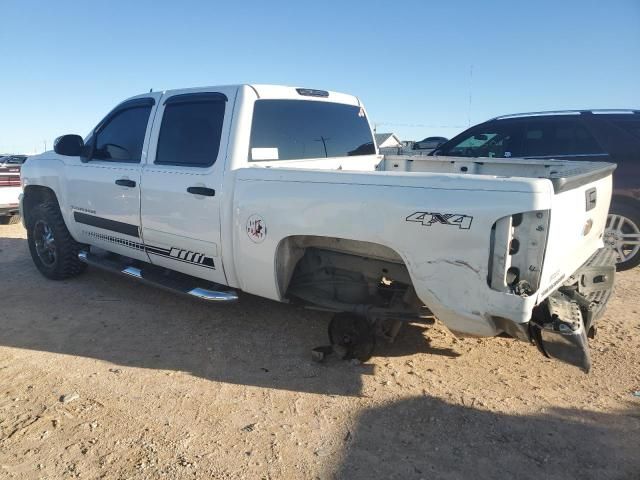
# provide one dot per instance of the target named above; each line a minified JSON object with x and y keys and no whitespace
{"x":69,"y":145}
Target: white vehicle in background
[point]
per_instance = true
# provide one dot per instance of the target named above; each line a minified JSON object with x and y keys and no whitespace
{"x":10,"y":189}
{"x":280,"y":192}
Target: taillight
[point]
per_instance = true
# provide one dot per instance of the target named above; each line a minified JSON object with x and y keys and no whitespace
{"x":517,"y":251}
{"x":9,"y":180}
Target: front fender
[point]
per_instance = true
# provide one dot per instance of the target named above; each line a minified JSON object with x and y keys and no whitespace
{"x":47,"y":170}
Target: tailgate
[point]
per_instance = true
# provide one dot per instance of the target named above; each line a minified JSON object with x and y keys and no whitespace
{"x":577,"y":222}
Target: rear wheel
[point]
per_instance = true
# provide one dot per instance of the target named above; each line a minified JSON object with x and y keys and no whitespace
{"x":53,"y":250}
{"x":622,"y":234}
{"x":352,"y":337}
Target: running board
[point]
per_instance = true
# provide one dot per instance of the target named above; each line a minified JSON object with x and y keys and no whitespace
{"x":175,"y":281}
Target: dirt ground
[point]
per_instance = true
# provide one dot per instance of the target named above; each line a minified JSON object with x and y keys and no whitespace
{"x":168,"y":386}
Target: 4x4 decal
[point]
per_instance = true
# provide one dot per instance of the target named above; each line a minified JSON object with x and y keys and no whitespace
{"x":429,"y":218}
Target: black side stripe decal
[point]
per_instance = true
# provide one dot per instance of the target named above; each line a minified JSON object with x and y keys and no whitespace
{"x":125,"y":242}
{"x":106,"y":224}
{"x":184,"y":256}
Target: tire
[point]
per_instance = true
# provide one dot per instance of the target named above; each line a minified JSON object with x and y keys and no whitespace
{"x":623,"y":226}
{"x":53,"y":250}
{"x":352,"y":336}
{"x":9,"y":219}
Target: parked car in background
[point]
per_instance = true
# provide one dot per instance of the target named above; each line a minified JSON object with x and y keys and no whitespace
{"x":9,"y":191}
{"x":12,"y":160}
{"x":429,"y":143}
{"x":593,"y":135}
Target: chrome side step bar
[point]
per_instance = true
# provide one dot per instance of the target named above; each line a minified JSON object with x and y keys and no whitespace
{"x":176,"y":282}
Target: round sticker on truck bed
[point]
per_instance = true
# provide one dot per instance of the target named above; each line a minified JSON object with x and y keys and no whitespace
{"x":256,"y":228}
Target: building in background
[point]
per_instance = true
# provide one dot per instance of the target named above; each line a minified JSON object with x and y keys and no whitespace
{"x":388,"y":140}
{"x":389,"y":143}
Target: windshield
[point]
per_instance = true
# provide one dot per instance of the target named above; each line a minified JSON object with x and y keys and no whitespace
{"x":302,"y":129}
{"x":493,"y":140}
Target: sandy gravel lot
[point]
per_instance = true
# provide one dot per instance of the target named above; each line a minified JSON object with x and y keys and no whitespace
{"x":171,"y":387}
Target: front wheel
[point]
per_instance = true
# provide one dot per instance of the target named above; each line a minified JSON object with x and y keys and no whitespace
{"x":622,"y":234}
{"x":53,"y":250}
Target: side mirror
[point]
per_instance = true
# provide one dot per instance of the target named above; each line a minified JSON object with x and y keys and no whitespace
{"x":69,"y":145}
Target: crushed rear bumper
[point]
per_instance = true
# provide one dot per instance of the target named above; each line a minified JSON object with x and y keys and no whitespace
{"x":561,"y":325}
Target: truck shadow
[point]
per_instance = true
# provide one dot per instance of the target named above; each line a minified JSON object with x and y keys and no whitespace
{"x":425,"y":437}
{"x":104,"y":316}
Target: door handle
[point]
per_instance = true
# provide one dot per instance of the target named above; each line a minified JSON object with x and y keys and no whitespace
{"x":124,"y":182}
{"x":207,"y":192}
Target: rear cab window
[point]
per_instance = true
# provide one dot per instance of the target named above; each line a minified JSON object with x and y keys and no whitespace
{"x":306,"y":129}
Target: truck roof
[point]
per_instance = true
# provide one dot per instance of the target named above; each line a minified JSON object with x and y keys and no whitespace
{"x":266,"y":91}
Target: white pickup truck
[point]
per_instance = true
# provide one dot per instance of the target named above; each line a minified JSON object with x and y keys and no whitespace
{"x":280,"y":192}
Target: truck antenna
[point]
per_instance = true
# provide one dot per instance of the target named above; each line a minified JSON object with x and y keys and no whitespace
{"x":470,"y":93}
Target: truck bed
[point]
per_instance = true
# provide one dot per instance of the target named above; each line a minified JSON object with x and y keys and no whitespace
{"x":564,"y":174}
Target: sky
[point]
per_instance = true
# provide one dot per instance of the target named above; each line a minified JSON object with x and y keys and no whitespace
{"x":421,"y":68}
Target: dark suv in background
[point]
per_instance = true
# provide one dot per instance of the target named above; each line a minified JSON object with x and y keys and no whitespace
{"x":594,"y":135}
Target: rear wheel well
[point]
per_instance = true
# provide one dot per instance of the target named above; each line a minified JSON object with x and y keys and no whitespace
{"x":35,"y":195}
{"x":345,"y":276}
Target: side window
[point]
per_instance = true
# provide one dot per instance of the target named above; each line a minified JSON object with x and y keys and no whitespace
{"x":537,"y":140}
{"x":190,"y":131}
{"x":574,"y":139}
{"x":562,"y":137}
{"x":120,"y":139}
{"x":631,"y":126}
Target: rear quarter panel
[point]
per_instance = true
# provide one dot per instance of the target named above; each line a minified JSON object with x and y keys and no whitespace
{"x":448,"y":264}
